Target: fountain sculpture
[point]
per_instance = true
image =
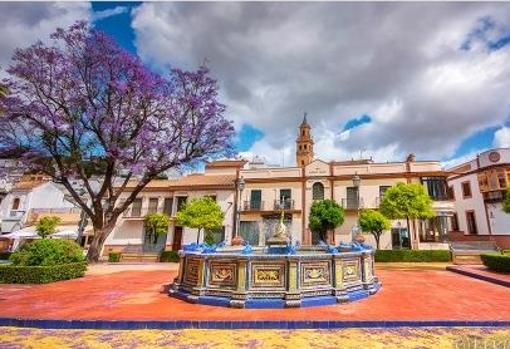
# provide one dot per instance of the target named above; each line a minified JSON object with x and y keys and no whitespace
{"x":281,"y":274}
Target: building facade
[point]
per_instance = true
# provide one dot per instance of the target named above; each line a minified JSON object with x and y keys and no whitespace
{"x":256,"y":204}
{"x":479,"y":186}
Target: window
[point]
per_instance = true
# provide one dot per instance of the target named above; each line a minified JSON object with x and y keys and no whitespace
{"x":15,"y":204}
{"x":218,"y":235}
{"x":382,"y":190}
{"x":167,"y":206}
{"x":181,"y":201}
{"x":153,"y":205}
{"x":136,"y":208}
{"x":250,"y":232}
{"x":302,"y":162}
{"x":255,"y":199}
{"x":318,"y":191}
{"x":285,"y":198}
{"x":466,"y":189}
{"x":502,"y":179}
{"x":455,"y":222}
{"x":471,"y":222}
{"x":451,"y":193}
{"x":436,"y":187}
{"x":352,"y":197}
{"x":212,"y":197}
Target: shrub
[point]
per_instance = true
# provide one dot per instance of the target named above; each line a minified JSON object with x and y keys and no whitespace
{"x":169,"y":256}
{"x":497,"y":262}
{"x":48,"y":252}
{"x":412,"y":256}
{"x":47,"y":226}
{"x":16,"y":274}
{"x":114,"y":257}
{"x":5,"y":255}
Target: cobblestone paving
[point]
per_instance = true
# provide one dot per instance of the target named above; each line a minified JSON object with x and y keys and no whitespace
{"x":402,"y":338}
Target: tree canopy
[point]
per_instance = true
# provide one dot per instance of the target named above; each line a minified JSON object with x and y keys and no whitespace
{"x":157,"y":222}
{"x":47,"y":225}
{"x":506,"y":203}
{"x":82,"y":106}
{"x":406,"y":201}
{"x":375,"y":223}
{"x":325,"y":215}
{"x":201,"y":213}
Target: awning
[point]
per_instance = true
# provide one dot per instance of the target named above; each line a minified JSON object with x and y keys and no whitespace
{"x":25,"y":233}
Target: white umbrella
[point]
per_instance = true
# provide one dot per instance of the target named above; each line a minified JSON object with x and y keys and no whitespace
{"x":66,"y":233}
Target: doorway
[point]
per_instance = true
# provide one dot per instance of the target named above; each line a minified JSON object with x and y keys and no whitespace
{"x":177,"y":240}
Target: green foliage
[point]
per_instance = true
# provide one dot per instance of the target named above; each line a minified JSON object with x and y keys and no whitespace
{"x":16,"y":274}
{"x":412,"y":256}
{"x":209,"y":238}
{"x":407,"y":201}
{"x":47,"y":226}
{"x":325,"y":215}
{"x":114,"y":257}
{"x":375,"y":223}
{"x":169,"y":256}
{"x":202,"y":213}
{"x":157,"y":222}
{"x":496,"y":261}
{"x":48,"y":252}
{"x":506,"y":203}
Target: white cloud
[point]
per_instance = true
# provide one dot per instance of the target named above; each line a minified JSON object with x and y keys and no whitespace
{"x":502,"y":137}
{"x":400,"y":63}
{"x":21,"y":24}
{"x":99,"y":15}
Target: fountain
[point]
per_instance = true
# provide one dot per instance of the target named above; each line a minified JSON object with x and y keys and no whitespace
{"x":281,"y":274}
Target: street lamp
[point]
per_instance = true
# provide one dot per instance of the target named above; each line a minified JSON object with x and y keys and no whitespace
{"x":237,"y":239}
{"x":356,"y":181}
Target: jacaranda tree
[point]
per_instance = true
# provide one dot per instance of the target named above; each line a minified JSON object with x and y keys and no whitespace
{"x":82,"y":106}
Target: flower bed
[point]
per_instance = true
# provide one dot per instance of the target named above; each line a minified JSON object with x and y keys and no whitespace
{"x":497,"y":262}
{"x":22,"y":274}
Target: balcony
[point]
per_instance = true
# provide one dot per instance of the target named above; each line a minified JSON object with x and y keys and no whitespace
{"x":286,"y":204}
{"x":352,"y":203}
{"x":253,"y":206}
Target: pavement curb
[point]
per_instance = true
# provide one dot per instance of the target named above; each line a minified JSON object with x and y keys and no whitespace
{"x":286,"y":325}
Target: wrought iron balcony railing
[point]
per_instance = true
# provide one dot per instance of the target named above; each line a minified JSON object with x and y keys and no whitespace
{"x":253,"y":206}
{"x":286,"y":204}
{"x":353,"y":203}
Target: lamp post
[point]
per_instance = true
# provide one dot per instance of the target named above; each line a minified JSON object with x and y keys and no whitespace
{"x":356,"y":181}
{"x":237,"y":240}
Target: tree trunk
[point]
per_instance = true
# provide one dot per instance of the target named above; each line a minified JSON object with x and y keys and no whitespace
{"x":409,"y":233}
{"x":377,"y":238}
{"x":100,"y":235}
{"x":198,"y":236}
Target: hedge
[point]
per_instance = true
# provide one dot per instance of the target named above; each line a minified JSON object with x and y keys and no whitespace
{"x":169,"y":256}
{"x":114,"y":257}
{"x":497,"y":262}
{"x":15,"y":274}
{"x":412,"y":256}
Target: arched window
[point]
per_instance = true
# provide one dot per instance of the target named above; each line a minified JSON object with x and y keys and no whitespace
{"x":318,"y":191}
{"x":15,"y":204}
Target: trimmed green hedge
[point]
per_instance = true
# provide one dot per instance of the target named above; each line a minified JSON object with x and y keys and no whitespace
{"x":496,"y":261}
{"x":16,"y":274}
{"x":412,"y":256}
{"x":169,"y":256}
{"x":114,"y":257}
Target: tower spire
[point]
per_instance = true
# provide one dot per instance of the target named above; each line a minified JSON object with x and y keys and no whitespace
{"x":304,"y":144}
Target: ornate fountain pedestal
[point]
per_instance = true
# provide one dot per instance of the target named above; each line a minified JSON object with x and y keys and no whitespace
{"x":310,"y":277}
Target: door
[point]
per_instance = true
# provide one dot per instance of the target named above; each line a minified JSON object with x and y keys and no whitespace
{"x":177,"y":241}
{"x":255,"y":199}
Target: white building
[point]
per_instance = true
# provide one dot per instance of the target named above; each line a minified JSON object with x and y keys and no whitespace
{"x":479,"y":186}
{"x":31,"y":193}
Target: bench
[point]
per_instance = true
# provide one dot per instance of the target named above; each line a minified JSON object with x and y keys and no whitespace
{"x":468,"y":252}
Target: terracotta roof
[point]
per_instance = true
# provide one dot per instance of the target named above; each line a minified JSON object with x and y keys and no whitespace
{"x":193,"y":181}
{"x":226,"y":163}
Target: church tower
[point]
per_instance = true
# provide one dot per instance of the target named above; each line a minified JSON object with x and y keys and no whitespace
{"x":304,"y":144}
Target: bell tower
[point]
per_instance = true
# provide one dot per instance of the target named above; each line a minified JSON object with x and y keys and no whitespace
{"x":304,"y":144}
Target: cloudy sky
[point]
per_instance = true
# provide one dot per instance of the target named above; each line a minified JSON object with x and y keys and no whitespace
{"x":383,"y":79}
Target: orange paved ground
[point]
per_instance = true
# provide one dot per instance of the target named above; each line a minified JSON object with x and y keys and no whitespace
{"x":138,"y":294}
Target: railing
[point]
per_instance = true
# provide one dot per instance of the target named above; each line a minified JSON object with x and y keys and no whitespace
{"x":286,"y":204}
{"x":353,"y":203}
{"x":66,"y":210}
{"x":253,"y":206}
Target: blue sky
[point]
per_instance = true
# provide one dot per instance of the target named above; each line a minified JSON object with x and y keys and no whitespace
{"x":116,"y":20}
